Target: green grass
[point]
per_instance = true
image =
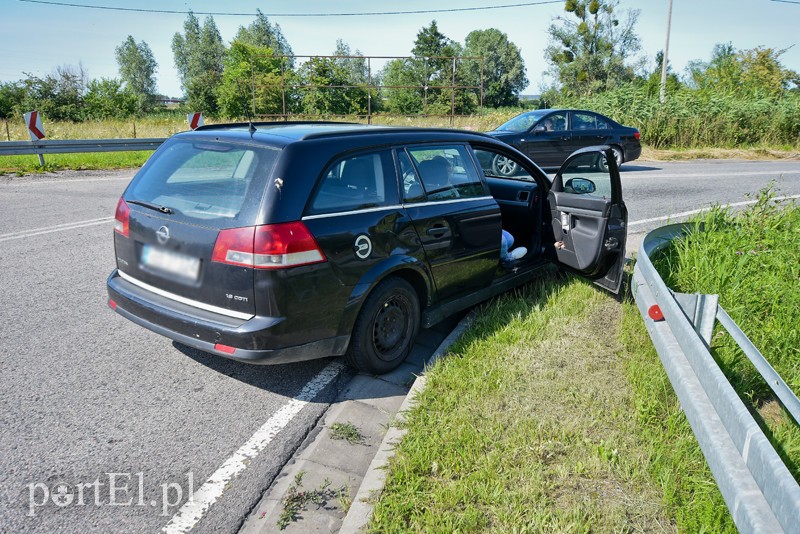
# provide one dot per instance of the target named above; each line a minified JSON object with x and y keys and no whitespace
{"x":675,"y":462}
{"x":348,"y":432}
{"x":752,"y":260}
{"x":532,"y":424}
{"x":21,"y":165}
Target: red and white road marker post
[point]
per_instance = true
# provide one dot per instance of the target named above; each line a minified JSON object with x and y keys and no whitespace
{"x":195,"y":120}
{"x":34,"y":123}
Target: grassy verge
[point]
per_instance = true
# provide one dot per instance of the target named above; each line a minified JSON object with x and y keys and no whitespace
{"x":21,"y":165}
{"x":752,"y":260}
{"x":550,"y":415}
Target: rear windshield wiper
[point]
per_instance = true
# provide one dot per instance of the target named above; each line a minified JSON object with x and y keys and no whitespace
{"x":150,"y":205}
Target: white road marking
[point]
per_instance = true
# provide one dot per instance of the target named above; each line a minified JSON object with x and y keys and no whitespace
{"x":649,"y":174}
{"x":700,"y":210}
{"x":198,"y":504}
{"x":65,"y":181}
{"x":57,"y":228}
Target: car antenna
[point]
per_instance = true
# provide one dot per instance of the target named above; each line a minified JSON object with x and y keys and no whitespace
{"x":251,"y":129}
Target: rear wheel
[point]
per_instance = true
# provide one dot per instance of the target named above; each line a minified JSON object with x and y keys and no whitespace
{"x":618,"y":156}
{"x":502,"y":166}
{"x":386,"y":327}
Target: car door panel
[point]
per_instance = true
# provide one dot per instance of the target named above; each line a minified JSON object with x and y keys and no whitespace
{"x":458,"y":223}
{"x":580,"y":224}
{"x":461,"y":241}
{"x":589,"y":224}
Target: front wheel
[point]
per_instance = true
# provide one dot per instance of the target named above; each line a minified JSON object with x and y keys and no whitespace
{"x":386,"y":328}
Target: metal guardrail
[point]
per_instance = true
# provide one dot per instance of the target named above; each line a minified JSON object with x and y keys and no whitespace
{"x":71,"y":146}
{"x":758,"y":488}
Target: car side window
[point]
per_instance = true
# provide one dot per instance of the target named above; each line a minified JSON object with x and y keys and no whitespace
{"x":587,"y":175}
{"x":555,"y":122}
{"x":583,"y":121}
{"x":446,"y":172}
{"x":357,"y":182}
{"x":498,"y":165}
{"x":412,"y":186}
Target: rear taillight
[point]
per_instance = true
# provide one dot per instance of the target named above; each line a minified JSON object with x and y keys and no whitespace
{"x":637,"y":135}
{"x":273,"y":246}
{"x":122,"y":218}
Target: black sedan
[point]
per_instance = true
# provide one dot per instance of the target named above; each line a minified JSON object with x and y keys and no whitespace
{"x":549,"y":136}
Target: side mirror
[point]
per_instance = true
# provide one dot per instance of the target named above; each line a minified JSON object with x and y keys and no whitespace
{"x":540,"y":128}
{"x":580,"y":186}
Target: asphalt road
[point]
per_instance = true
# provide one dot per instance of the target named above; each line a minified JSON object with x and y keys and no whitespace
{"x":90,"y":401}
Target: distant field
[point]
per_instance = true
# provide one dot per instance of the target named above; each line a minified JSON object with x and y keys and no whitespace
{"x":169,"y":124}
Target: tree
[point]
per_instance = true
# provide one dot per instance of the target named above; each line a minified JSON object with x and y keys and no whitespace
{"x":722,"y":73}
{"x":261,"y":32}
{"x":250,"y":82}
{"x":432,"y":70}
{"x":12,"y":94}
{"x":107,"y":98}
{"x":337,"y":98}
{"x":402,"y":87}
{"x":653,"y":80}
{"x":199,"y":58}
{"x":58,"y":95}
{"x":137,"y":68}
{"x":588,"y":53}
{"x":754,"y":73}
{"x":503,"y":68}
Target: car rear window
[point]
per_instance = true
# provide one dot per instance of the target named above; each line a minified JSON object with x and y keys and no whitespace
{"x":211,"y":183}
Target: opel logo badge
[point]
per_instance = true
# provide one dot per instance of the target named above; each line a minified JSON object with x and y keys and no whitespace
{"x":363,"y":246}
{"x":163,"y":235}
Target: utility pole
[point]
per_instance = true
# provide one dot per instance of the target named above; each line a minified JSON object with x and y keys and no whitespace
{"x":663,"y":92}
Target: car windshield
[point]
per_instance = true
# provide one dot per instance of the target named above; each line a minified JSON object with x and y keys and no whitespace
{"x":209,"y":182}
{"x":522,"y":123}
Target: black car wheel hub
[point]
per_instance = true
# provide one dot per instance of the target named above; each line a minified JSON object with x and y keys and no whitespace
{"x":391,"y":326}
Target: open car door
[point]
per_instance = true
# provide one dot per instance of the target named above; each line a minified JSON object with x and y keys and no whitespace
{"x":588,"y":216}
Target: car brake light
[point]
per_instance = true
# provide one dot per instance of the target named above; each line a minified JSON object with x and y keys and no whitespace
{"x":273,"y":246}
{"x":637,"y":135}
{"x":122,"y":218}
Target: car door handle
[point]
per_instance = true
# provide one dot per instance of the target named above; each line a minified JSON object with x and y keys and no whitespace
{"x":438,"y":231}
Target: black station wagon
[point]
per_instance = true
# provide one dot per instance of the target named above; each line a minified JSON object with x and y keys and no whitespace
{"x":279,"y":242}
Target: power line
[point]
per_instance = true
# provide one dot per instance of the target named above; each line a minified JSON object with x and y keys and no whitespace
{"x":275,"y":15}
{"x":786,"y":1}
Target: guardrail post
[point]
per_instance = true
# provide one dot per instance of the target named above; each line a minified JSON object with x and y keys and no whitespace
{"x":701,"y":310}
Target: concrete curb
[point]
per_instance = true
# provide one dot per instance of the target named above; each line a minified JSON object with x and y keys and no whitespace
{"x":360,"y":512}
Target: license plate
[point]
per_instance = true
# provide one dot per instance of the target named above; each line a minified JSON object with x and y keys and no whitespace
{"x":170,"y":262}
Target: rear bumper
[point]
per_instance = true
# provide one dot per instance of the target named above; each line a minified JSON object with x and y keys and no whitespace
{"x":633,"y":151}
{"x":252,"y":340}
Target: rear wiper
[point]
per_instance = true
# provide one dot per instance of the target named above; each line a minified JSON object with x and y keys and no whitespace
{"x":154,"y":207}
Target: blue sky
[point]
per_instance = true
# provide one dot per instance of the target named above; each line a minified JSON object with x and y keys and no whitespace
{"x":35,"y":38}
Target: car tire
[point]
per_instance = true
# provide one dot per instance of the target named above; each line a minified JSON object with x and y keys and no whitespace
{"x":618,"y":155}
{"x":601,"y":161}
{"x":386,"y":328}
{"x":502,"y":166}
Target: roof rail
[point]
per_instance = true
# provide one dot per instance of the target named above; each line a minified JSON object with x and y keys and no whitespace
{"x":264,"y":123}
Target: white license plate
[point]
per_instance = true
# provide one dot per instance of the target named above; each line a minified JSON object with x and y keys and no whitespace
{"x":171,"y":262}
